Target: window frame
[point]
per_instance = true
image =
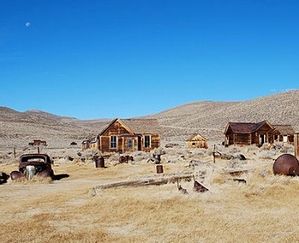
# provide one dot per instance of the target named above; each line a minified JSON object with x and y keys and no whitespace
{"x":130,"y":142}
{"x":110,"y":142}
{"x":150,"y":141}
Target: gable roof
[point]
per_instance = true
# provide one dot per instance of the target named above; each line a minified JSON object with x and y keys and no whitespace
{"x":193,"y":136}
{"x":284,"y":129}
{"x":142,"y":125}
{"x":136,"y":126}
{"x":245,"y":127}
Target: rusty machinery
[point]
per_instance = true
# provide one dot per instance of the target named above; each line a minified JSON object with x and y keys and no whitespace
{"x":286,"y":164}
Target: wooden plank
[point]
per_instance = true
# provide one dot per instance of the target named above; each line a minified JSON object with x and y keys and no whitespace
{"x":144,"y":182}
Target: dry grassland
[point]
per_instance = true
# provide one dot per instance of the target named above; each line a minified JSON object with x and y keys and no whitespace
{"x":263,"y":210}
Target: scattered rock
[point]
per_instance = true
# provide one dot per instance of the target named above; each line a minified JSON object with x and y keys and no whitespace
{"x":69,"y":158}
{"x":171,"y":145}
{"x":226,"y":156}
{"x":239,"y":156}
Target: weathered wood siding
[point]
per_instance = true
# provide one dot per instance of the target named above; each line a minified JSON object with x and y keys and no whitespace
{"x":197,"y":144}
{"x":229,"y":139}
{"x":134,"y":144}
{"x":116,"y":129}
{"x":123,"y":136}
{"x":104,"y":144}
{"x":296,"y":145}
{"x":242,"y":139}
{"x":93,"y":146}
{"x":155,"y":143}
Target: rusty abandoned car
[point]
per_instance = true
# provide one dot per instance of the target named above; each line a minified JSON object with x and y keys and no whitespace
{"x":286,"y":164}
{"x":31,"y":165}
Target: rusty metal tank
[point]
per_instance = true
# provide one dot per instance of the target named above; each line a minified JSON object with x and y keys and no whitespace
{"x":100,"y":162}
{"x":159,"y":169}
{"x":286,"y":164}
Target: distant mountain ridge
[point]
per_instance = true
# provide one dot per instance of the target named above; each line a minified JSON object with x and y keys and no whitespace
{"x":207,"y":117}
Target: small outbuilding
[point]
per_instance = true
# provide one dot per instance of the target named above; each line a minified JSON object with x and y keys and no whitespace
{"x":197,"y":141}
{"x":85,"y":144}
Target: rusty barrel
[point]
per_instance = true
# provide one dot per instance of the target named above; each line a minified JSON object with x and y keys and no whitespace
{"x":100,"y":162}
{"x":159,"y":169}
{"x":286,"y":164}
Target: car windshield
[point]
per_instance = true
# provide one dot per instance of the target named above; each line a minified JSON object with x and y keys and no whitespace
{"x":41,"y":159}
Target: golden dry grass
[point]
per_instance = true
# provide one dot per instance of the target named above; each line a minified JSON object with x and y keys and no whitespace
{"x":265,"y":209}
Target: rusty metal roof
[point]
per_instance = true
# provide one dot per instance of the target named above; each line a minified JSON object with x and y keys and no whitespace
{"x":245,"y":127}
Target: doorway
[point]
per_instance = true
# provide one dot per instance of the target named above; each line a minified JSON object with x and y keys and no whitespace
{"x":262,"y":139}
{"x":139,"y":143}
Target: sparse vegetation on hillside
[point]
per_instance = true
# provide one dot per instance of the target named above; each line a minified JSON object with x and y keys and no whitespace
{"x":207,"y":118}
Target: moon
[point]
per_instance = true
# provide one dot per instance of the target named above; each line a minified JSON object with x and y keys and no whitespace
{"x":27,"y":24}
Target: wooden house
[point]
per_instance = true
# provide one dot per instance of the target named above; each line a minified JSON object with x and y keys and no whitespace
{"x":243,"y":133}
{"x":257,"y":133}
{"x":283,"y":133}
{"x":197,"y":141}
{"x":129,"y":135}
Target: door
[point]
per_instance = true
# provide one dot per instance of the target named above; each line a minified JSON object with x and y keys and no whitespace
{"x":139,"y":143}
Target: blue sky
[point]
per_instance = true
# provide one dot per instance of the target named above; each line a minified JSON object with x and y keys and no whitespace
{"x":113,"y":58}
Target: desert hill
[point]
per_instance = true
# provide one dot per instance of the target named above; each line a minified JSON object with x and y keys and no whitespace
{"x":210,"y":118}
{"x":206,"y":117}
{"x":19,"y":128}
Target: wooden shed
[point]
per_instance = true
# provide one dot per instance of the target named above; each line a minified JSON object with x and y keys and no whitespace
{"x":197,"y":141}
{"x":129,"y":135}
{"x":85,"y":144}
{"x":93,"y":143}
{"x":243,"y":133}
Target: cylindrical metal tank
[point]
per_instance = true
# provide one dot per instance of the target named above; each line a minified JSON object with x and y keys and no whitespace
{"x":100,"y":162}
{"x":159,"y":169}
{"x":286,"y":164}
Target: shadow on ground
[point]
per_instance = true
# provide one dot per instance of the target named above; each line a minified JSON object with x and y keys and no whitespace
{"x":60,"y":176}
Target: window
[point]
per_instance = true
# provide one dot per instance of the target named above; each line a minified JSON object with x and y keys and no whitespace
{"x":113,"y":142}
{"x":147,"y":141}
{"x":130,"y":143}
